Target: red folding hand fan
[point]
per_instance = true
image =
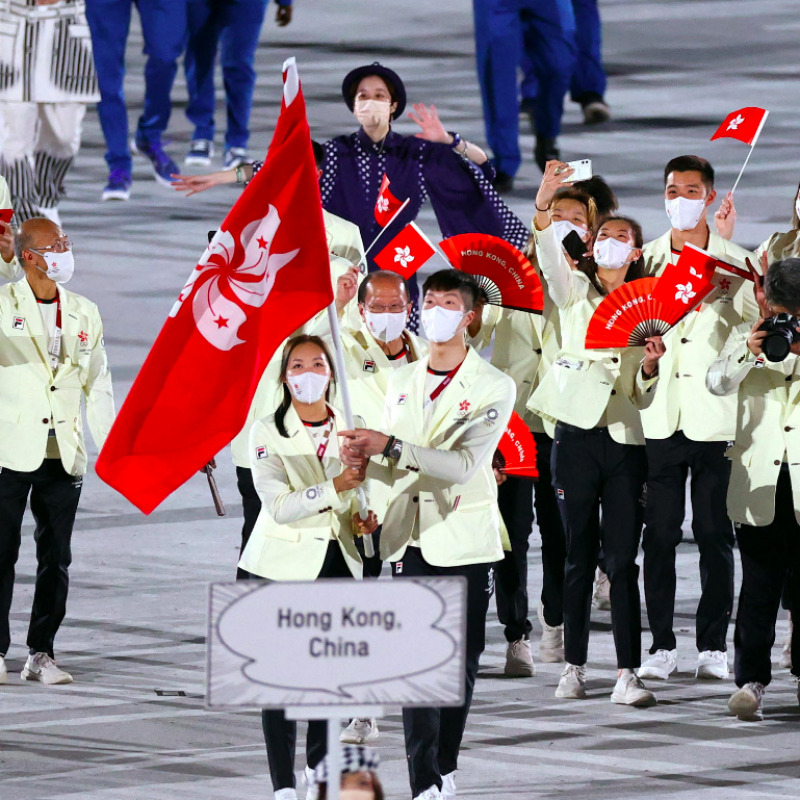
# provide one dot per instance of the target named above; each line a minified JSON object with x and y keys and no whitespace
{"x":516,"y":453}
{"x":507,"y":277}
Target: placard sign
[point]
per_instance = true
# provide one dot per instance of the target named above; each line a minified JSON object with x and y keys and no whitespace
{"x":337,"y":643}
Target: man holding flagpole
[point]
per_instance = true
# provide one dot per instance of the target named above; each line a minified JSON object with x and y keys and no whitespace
{"x":687,"y":429}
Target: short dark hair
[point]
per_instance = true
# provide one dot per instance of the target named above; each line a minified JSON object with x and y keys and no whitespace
{"x":319,"y":154}
{"x":452,"y":280}
{"x":380,"y":274}
{"x":782,"y":284}
{"x":691,"y":164}
{"x":602,"y":194}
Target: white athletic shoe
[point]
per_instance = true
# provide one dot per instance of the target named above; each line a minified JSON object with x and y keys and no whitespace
{"x":551,"y":645}
{"x":786,"y":653}
{"x":519,"y":661}
{"x":630,"y":691}
{"x":286,"y":794}
{"x":431,"y":793}
{"x":712,"y":665}
{"x":573,"y":683}
{"x":3,"y":670}
{"x":310,"y":780}
{"x":745,"y":703}
{"x":660,"y":665}
{"x":601,"y":597}
{"x":449,"y":786}
{"x":360,"y":731}
{"x":40,"y":667}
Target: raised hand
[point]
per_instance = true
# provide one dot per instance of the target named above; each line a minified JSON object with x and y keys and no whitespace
{"x":725,"y":218}
{"x":428,"y":119}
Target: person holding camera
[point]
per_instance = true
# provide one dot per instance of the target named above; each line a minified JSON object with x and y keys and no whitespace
{"x":760,"y":363}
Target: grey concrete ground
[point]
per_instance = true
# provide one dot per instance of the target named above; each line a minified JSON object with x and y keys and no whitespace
{"x":132,"y":726}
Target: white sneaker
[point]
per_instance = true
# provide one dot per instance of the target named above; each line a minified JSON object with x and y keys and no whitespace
{"x":3,"y":670}
{"x":745,"y":703}
{"x":573,"y":683}
{"x":286,"y":794}
{"x":310,"y":779}
{"x":431,"y":793}
{"x":449,"y":786}
{"x":40,"y":667}
{"x":601,"y":597}
{"x":360,"y":731}
{"x":660,"y":665}
{"x":786,"y":653}
{"x":630,"y":691}
{"x":519,"y":661}
{"x":551,"y":645}
{"x":712,"y":665}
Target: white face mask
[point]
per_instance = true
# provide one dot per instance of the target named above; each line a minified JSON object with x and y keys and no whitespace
{"x":440,"y":324}
{"x":60,"y":266}
{"x":385,"y":326}
{"x":684,"y":214}
{"x":308,"y":387}
{"x":611,"y":253}
{"x":563,"y":227}
{"x":372,"y":113}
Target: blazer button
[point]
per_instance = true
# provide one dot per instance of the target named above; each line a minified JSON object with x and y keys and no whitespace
{"x":788,"y":428}
{"x":684,"y":341}
{"x":52,"y":388}
{"x":614,"y":360}
{"x":415,"y":499}
{"x":613,"y":391}
{"x":677,"y":374}
{"x":538,"y":351}
{"x":46,"y":421}
{"x":788,"y":378}
{"x":776,"y":462}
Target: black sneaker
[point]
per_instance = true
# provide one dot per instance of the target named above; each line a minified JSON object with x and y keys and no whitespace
{"x":545,"y":150}
{"x":503,"y":182}
{"x":163,"y":166}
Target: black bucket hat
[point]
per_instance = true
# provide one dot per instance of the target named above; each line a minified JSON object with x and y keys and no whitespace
{"x":355,"y":76}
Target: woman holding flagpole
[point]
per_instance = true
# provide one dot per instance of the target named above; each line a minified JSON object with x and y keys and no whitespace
{"x":308,"y":516}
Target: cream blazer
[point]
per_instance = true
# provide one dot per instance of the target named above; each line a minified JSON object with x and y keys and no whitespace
{"x":768,"y":427}
{"x":780,"y":246}
{"x":346,"y":250}
{"x":682,"y":401}
{"x":34,"y":399}
{"x":301,"y":511}
{"x":10,"y":270}
{"x":584,"y":387}
{"x":443,"y":488}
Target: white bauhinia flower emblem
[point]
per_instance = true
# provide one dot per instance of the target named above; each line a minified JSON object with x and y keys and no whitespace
{"x":383,"y":204}
{"x":402,"y":255}
{"x":734,"y":124}
{"x":223,"y":292}
{"x":684,"y":292}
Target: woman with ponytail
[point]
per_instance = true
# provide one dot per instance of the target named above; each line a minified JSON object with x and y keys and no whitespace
{"x":308,"y":516}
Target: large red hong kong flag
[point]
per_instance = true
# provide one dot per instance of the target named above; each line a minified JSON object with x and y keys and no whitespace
{"x":745,"y":124}
{"x":265,"y":273}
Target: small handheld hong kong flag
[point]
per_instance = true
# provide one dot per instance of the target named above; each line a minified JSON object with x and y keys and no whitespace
{"x":387,"y":205}
{"x":744,"y":125}
{"x":407,"y":252}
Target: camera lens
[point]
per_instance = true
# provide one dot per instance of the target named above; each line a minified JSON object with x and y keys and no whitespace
{"x":777,"y":344}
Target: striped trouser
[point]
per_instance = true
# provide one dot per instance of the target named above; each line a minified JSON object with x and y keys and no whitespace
{"x":38,"y":143}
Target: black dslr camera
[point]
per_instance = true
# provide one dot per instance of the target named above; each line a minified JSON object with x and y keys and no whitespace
{"x":781,"y":335}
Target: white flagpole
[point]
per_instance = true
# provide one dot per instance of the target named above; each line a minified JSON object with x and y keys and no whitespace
{"x":344,"y":394}
{"x":372,"y":243}
{"x":752,"y":146}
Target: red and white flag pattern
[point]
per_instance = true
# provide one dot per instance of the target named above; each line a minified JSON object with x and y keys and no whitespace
{"x":387,"y":205}
{"x":407,"y":252}
{"x":744,"y":124}
{"x":264,"y":274}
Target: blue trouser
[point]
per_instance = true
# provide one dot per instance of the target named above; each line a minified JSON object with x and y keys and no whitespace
{"x":507,"y":33}
{"x":589,"y":77}
{"x":164,"y":30}
{"x":234,"y":25}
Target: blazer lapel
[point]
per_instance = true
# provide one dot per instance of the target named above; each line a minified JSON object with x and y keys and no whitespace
{"x":28,"y":309}
{"x":302,"y":445}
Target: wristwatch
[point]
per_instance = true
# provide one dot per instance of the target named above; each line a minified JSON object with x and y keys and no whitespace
{"x":394,"y":450}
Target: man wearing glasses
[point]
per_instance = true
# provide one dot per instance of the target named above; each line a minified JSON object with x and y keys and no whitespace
{"x":51,"y":354}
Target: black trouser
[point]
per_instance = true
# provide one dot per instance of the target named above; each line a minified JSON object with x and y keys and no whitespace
{"x":554,"y":543}
{"x":373,"y":565}
{"x":280,"y":734}
{"x":515,"y":500}
{"x":770,"y":554}
{"x":251,"y":506}
{"x":54,"y":501}
{"x":433,"y":735}
{"x":589,"y":466}
{"x":668,"y":463}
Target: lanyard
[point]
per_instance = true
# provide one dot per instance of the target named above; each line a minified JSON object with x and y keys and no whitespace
{"x":443,"y":385}
{"x":326,"y":437}
{"x":55,"y":343}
